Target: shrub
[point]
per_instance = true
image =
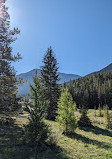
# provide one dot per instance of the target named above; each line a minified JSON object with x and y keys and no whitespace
{"x":8,"y":121}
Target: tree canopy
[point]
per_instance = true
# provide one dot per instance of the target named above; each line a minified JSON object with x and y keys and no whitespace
{"x":8,"y":89}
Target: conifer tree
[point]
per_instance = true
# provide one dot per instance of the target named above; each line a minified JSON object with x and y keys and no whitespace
{"x":84,"y":120}
{"x":108,"y":117}
{"x":100,"y":111}
{"x":50,"y":77}
{"x":36,"y":130}
{"x":66,"y":118}
{"x":8,"y":81}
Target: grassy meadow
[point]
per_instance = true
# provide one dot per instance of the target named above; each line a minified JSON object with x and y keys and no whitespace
{"x":85,"y":143}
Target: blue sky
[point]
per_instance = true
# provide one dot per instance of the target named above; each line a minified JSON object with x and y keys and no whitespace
{"x":79,"y":31}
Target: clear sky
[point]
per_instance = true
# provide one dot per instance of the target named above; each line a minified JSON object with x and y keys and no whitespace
{"x":79,"y":31}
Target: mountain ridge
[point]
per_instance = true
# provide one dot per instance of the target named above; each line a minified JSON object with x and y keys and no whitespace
{"x":108,"y":68}
{"x":64,"y":77}
{"x":24,"y":89}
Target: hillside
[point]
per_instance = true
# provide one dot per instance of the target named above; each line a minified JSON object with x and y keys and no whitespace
{"x":29,"y":77}
{"x":105,"y":69}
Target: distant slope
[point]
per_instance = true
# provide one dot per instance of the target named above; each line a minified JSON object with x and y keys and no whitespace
{"x":106,"y":69}
{"x":29,"y":77}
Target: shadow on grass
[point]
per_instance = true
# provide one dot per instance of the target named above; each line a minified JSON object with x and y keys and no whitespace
{"x":96,"y":130}
{"x":89,"y":141}
{"x":13,"y":147}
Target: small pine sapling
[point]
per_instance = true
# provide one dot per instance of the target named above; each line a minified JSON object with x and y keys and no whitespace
{"x":107,"y":117}
{"x":36,"y":130}
{"x":95,"y":111}
{"x":66,"y":118}
{"x":100,"y":111}
{"x":84,"y":120}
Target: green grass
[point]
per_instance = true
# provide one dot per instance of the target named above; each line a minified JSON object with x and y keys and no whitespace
{"x":85,"y":143}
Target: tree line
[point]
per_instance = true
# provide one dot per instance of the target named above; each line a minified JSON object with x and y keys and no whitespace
{"x":92,"y":91}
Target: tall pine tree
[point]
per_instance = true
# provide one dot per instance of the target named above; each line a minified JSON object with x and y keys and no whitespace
{"x":50,"y":77}
{"x":8,"y":81}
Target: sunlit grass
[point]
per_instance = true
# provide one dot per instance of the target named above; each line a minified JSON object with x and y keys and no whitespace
{"x":85,"y":143}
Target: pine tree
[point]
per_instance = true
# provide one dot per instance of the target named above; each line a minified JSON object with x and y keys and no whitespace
{"x":66,"y":118}
{"x":84,"y":120}
{"x":36,"y":130}
{"x":100,"y":111}
{"x":108,"y":117}
{"x":50,"y":77}
{"x":8,"y":89}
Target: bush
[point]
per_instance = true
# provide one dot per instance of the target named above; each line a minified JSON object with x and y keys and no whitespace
{"x":8,"y":121}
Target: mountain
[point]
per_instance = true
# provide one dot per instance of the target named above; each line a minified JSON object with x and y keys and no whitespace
{"x":104,"y":70}
{"x":29,"y":77}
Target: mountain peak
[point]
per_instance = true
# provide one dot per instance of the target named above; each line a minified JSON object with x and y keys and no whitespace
{"x":29,"y":77}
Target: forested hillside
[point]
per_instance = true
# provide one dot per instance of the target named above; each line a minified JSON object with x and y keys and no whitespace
{"x":104,"y":70}
{"x":92,"y":90}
